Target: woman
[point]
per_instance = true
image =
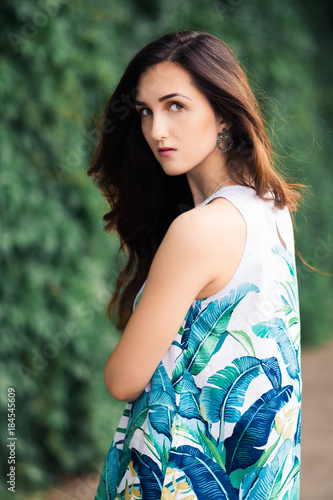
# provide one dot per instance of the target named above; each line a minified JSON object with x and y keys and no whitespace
{"x":209,"y":357}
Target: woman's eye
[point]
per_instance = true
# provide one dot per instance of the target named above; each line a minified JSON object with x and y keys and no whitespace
{"x":144,"y":112}
{"x":176,"y":106}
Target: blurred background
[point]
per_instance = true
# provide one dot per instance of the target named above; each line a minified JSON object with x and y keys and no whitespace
{"x":59,"y":62}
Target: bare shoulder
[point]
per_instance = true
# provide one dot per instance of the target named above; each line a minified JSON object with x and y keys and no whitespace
{"x":201,"y":250}
{"x":213,"y":239}
{"x":214,"y":222}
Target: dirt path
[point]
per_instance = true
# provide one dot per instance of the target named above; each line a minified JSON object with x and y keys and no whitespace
{"x":317,"y":424}
{"x":317,"y":436}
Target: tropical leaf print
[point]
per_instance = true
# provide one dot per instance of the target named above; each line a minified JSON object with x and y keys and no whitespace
{"x":277,"y":330}
{"x":297,"y":438}
{"x":245,"y":446}
{"x":150,"y":475}
{"x":131,"y":493}
{"x":208,"y":479}
{"x":172,"y":444}
{"x":289,"y":297}
{"x":224,"y":394}
{"x":189,"y":406}
{"x":268,"y":483}
{"x":209,"y":445}
{"x":294,"y":492}
{"x":289,"y":300}
{"x":208,"y":332}
{"x":244,"y":339}
{"x":161,"y":412}
{"x":137,"y":418}
{"x":188,"y":423}
{"x":102,"y":490}
{"x":287,"y":256}
{"x":125,"y":466}
{"x":112,"y":469}
{"x":162,"y":402}
{"x":176,"y":487}
{"x":161,"y":382}
{"x":157,"y":407}
{"x":190,"y":318}
{"x":160,"y":418}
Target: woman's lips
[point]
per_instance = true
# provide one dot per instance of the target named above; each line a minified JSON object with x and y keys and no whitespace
{"x":166,"y":151}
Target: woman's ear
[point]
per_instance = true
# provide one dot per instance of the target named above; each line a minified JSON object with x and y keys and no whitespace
{"x":225,"y":124}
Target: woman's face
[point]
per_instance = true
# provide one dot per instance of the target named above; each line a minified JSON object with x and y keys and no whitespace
{"x":177,"y":120}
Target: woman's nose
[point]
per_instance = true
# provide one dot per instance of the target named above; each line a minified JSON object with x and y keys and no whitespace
{"x":159,"y":129}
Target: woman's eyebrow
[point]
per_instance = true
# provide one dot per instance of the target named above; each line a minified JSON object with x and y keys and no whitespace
{"x":140,"y":103}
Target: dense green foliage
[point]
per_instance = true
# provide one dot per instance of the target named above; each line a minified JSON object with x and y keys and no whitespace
{"x":59,"y":61}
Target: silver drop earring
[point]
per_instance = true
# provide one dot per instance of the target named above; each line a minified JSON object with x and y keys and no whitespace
{"x":221,"y":136}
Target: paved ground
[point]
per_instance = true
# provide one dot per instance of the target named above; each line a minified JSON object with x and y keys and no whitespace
{"x":317,"y":436}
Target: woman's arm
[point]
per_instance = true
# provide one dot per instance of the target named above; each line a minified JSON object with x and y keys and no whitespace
{"x":198,"y":247}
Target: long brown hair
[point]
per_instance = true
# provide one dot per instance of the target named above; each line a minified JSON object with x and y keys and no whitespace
{"x":143,"y":199}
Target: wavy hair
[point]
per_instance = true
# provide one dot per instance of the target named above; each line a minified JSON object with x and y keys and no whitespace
{"x":143,"y":199}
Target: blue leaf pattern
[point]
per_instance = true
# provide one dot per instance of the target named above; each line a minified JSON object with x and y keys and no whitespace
{"x":112,"y":467}
{"x":226,"y":389}
{"x":207,"y":478}
{"x":209,"y":331}
{"x":268,"y":483}
{"x":150,"y":475}
{"x":189,"y":405}
{"x":252,"y":430}
{"x":276,"y":329}
{"x":190,"y":318}
{"x":221,"y":416}
{"x":287,"y":256}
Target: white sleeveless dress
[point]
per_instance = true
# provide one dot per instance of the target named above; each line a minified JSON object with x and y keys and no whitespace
{"x":221,"y":417}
